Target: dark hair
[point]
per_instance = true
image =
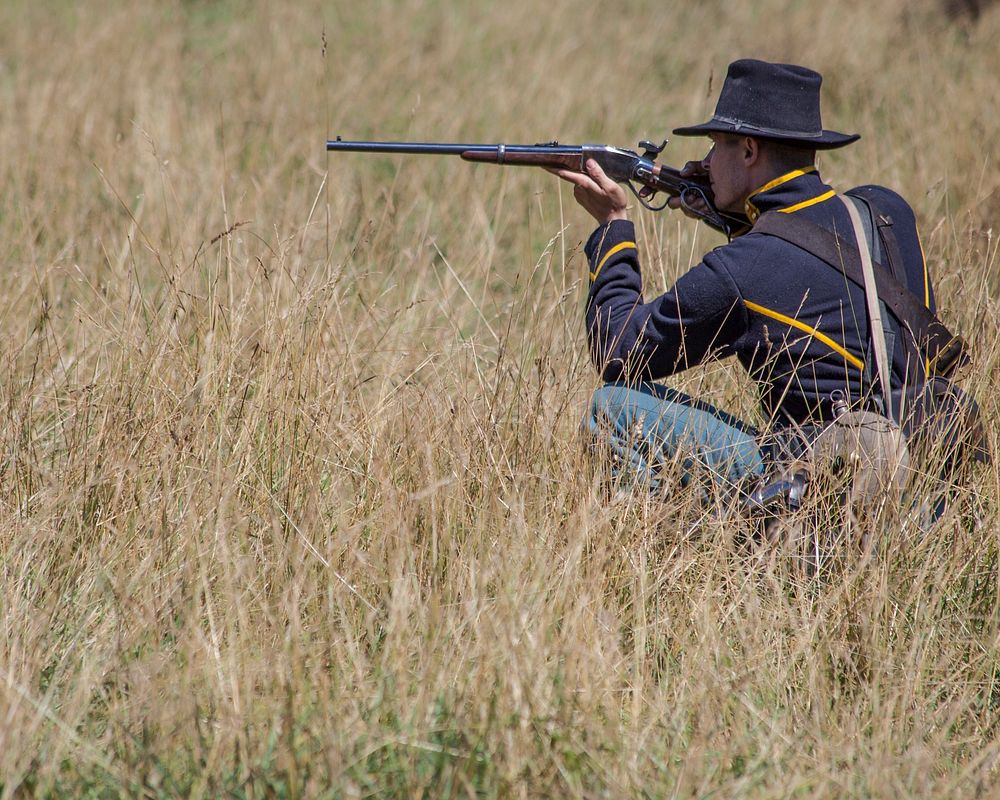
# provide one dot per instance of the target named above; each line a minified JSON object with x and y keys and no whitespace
{"x":786,"y":157}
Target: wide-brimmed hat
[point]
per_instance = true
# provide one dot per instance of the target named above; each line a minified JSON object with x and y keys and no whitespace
{"x":771,"y":101}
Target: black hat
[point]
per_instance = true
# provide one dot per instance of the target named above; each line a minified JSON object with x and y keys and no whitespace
{"x":771,"y":101}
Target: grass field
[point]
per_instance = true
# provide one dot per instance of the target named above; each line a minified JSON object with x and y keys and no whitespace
{"x":293,"y":499}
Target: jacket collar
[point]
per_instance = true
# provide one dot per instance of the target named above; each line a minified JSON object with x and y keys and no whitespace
{"x":788,"y":193}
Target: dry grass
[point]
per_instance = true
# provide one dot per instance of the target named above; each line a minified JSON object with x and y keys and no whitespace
{"x":292,"y":494}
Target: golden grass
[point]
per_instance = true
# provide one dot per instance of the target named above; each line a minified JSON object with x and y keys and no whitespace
{"x":293,"y":500}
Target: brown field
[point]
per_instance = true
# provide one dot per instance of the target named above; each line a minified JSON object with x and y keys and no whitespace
{"x":293,"y":501}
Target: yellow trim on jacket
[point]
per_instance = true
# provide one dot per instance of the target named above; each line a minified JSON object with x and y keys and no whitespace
{"x":752,"y":211}
{"x":806,"y":203}
{"x":616,"y":249}
{"x":839,"y":349}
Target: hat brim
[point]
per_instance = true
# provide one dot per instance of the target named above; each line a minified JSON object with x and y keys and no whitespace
{"x":829,"y":140}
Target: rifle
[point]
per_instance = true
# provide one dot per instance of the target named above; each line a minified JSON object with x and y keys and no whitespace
{"x":623,"y":166}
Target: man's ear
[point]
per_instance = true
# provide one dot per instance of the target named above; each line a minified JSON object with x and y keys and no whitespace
{"x":751,"y":151}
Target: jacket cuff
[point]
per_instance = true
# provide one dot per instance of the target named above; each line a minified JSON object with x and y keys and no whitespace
{"x":618,"y":236}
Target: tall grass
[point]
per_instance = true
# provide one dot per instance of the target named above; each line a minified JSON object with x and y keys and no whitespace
{"x":293,"y":496}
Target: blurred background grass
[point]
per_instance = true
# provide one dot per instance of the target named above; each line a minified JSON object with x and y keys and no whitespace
{"x":293,"y":500}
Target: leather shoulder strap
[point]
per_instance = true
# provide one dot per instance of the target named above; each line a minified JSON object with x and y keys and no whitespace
{"x":876,"y":326}
{"x":944,"y":350}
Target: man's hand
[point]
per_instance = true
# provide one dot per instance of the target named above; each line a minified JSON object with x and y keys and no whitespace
{"x":693,"y":204}
{"x":602,"y":198}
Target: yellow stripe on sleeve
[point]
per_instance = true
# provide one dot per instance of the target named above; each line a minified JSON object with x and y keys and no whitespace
{"x":839,"y":349}
{"x":616,"y":249}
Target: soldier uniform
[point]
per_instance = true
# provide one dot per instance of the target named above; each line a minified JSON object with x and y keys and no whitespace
{"x":795,"y":323}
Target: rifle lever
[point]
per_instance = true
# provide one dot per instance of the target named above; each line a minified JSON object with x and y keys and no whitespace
{"x":645,"y":199}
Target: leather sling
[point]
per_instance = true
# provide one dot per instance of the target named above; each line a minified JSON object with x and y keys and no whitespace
{"x":875,"y":308}
{"x":945,"y":351}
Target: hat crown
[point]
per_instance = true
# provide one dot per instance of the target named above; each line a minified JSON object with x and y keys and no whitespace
{"x":771,"y":99}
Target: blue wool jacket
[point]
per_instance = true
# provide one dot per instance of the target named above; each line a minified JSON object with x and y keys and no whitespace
{"x":796,"y":324}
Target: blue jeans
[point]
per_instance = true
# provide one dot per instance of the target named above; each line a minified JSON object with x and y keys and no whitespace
{"x":648,"y":426}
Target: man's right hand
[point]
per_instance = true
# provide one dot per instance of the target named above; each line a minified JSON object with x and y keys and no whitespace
{"x":692,"y":205}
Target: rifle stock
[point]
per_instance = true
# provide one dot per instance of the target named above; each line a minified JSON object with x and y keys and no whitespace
{"x":571,"y":161}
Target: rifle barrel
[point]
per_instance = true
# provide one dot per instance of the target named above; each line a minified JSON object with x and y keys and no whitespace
{"x":446,"y":148}
{"x":620,"y":165}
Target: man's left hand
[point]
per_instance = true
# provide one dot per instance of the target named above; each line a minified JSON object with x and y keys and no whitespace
{"x":602,"y":198}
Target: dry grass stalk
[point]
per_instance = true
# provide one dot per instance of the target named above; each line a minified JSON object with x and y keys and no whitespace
{"x":293,"y":496}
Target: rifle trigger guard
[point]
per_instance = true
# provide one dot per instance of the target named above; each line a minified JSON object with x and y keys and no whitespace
{"x":642,"y":201}
{"x":700,"y":194}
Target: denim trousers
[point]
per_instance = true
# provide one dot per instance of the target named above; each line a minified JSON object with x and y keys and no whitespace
{"x":648,"y":426}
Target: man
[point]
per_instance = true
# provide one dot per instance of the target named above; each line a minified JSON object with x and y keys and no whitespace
{"x":794,"y":322}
